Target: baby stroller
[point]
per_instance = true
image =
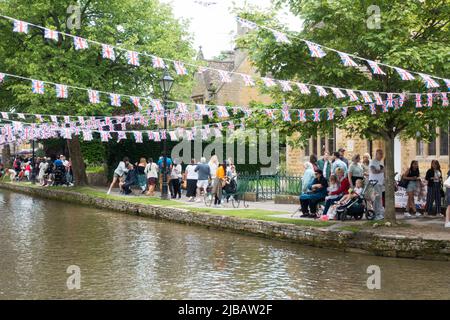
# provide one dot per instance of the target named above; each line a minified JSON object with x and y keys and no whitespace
{"x":360,"y":205}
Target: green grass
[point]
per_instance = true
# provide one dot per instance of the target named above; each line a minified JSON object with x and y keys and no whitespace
{"x":97,"y":169}
{"x":354,"y":229}
{"x":258,"y":214}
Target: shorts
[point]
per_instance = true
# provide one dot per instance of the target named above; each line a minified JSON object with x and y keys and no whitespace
{"x":413,"y":186}
{"x":202,"y":184}
{"x":117,"y":176}
{"x":151,"y":181}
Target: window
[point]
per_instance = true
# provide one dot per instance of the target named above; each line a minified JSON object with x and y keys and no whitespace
{"x":443,"y":137}
{"x":318,"y":144}
{"x":314,"y":145}
{"x":420,"y":148}
{"x":306,"y":148}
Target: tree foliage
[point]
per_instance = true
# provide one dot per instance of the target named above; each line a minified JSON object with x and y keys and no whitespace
{"x":412,"y":35}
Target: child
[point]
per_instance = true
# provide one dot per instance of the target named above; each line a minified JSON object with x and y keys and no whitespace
{"x":332,"y":187}
{"x":346,"y":199}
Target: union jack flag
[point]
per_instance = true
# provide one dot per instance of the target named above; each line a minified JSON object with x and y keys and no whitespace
{"x":316,"y":115}
{"x":248,"y":80}
{"x":81,"y":120}
{"x":133,"y":58}
{"x":108,"y":121}
{"x":20,"y":26}
{"x":358,"y":108}
{"x":37,"y":86}
{"x":402,"y":99}
{"x":346,"y":60}
{"x":5,"y":115}
{"x":51,"y":34}
{"x":108,"y":52}
{"x":285,"y":85}
{"x":429,"y":82}
{"x":80,"y":43}
{"x":115,"y":99}
{"x":373,"y":108}
{"x":418,"y":100}
{"x":189,"y":135}
{"x":235,"y":110}
{"x":352,"y":95}
{"x":404,"y":75}
{"x":378,"y":98}
{"x":151,"y":135}
{"x":158,"y":62}
{"x":268,"y":82}
{"x":222,"y":112}
{"x":39,"y":118}
{"x":286,"y":114}
{"x":136,"y":101}
{"x":105,"y":136}
{"x":280,"y":37}
{"x":93,"y":96}
{"x":231,"y":126}
{"x":248,"y":112}
{"x":270,"y":113}
{"x":303,"y":88}
{"x":224,"y":76}
{"x":330,"y":114}
{"x":315,"y":49}
{"x":366,"y":97}
{"x":202,"y":109}
{"x":344,"y":111}
{"x":302,"y":115}
{"x":180,"y":68}
{"x":321,"y":91}
{"x":375,"y":67}
{"x":430,"y":99}
{"x":157,"y":105}
{"x":2,"y":77}
{"x":444,"y":99}
{"x":156,"y":136}
{"x":173,"y":136}
{"x":67,"y":134}
{"x":121,"y":136}
{"x":181,"y":107}
{"x":338,"y":93}
{"x":87,"y":135}
{"x":21,"y":116}
{"x":390,"y":100}
{"x":123,"y":126}
{"x":447,"y":82}
{"x":61,"y":91}
{"x":137,"y":136}
{"x":385,"y":107}
{"x":204,"y":135}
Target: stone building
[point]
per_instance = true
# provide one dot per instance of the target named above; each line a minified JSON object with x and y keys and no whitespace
{"x":208,"y":89}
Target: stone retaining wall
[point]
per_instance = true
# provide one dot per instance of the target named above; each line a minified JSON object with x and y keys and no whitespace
{"x":361,"y":242}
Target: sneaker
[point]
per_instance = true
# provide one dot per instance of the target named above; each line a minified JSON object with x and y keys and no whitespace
{"x":198,"y":201}
{"x":305,"y":215}
{"x":447,"y":225}
{"x":407,"y":215}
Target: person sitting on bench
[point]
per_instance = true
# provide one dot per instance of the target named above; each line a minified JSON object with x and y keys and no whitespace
{"x":317,"y":191}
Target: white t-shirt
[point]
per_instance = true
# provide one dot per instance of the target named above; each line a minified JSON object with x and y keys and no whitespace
{"x":213,"y":168}
{"x":151,"y":170}
{"x":191,"y":174}
{"x":176,"y":171}
{"x":376,"y":176}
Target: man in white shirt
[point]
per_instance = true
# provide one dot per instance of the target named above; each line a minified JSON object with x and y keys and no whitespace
{"x":376,"y":172}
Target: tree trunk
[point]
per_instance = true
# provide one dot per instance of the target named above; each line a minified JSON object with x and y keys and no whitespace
{"x":6,"y":156}
{"x":78,"y":167}
{"x":389,"y":214}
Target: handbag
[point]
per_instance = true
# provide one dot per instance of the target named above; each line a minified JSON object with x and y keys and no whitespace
{"x":447,"y":183}
{"x":403,"y":183}
{"x":184,"y":185}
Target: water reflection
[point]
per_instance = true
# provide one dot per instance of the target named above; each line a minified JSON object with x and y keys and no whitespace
{"x":126,"y":257}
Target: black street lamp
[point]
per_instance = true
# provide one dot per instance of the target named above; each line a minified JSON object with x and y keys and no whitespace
{"x":165,"y":83}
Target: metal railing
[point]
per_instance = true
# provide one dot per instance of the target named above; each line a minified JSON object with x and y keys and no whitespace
{"x":266,"y":187}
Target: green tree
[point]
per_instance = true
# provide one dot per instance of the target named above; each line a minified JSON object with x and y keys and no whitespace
{"x":145,"y":26}
{"x":412,"y":35}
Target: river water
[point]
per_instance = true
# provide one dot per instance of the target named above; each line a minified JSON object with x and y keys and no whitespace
{"x":126,"y":257}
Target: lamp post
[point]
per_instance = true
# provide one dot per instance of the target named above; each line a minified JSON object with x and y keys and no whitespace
{"x":165,"y":83}
{"x":33,"y":164}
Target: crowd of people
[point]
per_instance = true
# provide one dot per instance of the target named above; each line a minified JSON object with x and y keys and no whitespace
{"x":46,"y":171}
{"x":334,"y":181}
{"x":195,"y":178}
